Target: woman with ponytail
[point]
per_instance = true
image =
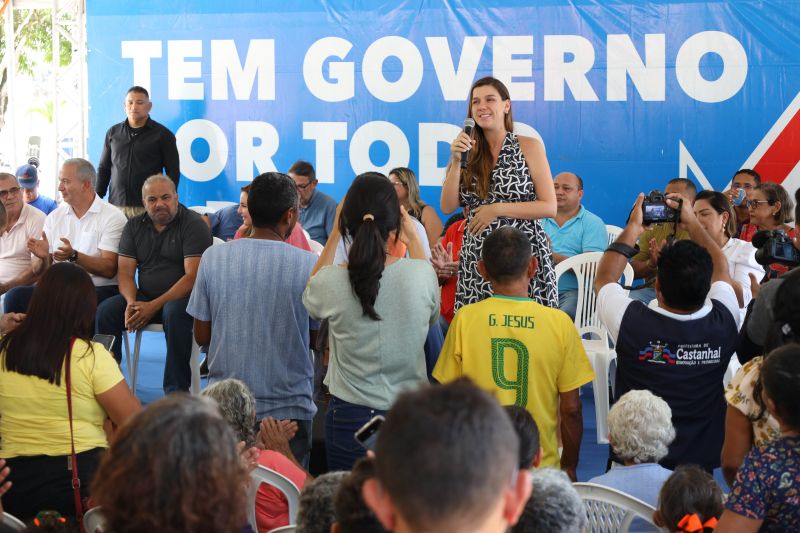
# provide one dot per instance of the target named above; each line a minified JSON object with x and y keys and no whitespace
{"x":379,"y":309}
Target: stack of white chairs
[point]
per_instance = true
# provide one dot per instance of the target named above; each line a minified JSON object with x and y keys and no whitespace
{"x":594,"y":334}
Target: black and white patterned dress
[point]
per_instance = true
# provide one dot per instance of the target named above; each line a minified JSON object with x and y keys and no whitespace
{"x":510,"y":183}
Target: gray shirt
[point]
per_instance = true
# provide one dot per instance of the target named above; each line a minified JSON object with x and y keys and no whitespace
{"x":250,"y":290}
{"x":371,"y":361}
{"x":761,"y":317}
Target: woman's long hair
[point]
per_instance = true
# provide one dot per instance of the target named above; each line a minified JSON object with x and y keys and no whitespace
{"x":370,"y":212}
{"x":480,"y":162}
{"x":407,"y":177}
{"x":719,"y":203}
{"x":63,"y":306}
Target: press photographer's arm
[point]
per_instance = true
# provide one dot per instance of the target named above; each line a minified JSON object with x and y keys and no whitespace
{"x":613,"y":264}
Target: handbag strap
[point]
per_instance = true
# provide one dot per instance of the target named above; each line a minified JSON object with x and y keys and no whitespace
{"x":76,"y":481}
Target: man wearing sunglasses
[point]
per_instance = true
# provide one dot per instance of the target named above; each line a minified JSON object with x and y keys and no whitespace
{"x":24,"y":222}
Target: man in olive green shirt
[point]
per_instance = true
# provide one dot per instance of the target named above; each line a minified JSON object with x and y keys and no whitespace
{"x":651,"y":241}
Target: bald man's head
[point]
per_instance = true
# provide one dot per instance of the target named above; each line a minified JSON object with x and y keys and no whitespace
{"x":569,"y":192}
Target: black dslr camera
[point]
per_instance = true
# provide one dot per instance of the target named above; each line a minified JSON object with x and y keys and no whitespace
{"x":656,"y":210}
{"x":775,"y":247}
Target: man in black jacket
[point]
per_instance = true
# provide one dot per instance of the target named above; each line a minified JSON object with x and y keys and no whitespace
{"x":135,"y":149}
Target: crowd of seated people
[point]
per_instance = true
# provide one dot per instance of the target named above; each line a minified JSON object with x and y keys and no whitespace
{"x":83,"y":270}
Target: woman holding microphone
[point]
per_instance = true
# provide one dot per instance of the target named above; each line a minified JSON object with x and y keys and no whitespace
{"x":505,"y":181}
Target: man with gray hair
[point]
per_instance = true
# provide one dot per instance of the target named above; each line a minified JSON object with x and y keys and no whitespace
{"x":164,"y":244}
{"x":554,"y":506}
{"x":83,"y":230}
{"x":316,"y":513}
{"x":20,"y":223}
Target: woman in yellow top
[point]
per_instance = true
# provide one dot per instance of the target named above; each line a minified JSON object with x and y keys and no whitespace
{"x":34,"y":419}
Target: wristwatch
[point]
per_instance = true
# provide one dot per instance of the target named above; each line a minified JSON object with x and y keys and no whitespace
{"x":624,"y":249}
{"x":74,"y":257}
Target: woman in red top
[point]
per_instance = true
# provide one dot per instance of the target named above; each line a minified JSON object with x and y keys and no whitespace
{"x":770,"y":208}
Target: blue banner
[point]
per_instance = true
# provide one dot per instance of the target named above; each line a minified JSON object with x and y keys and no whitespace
{"x":626,"y":94}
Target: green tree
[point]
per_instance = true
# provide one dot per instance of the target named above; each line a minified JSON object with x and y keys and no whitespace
{"x":33,"y":30}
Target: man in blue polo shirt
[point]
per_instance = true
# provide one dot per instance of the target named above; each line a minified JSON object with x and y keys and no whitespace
{"x":317,"y":209}
{"x":573,"y":231}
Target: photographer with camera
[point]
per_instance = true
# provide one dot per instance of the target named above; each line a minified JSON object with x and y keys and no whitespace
{"x":645,"y":262}
{"x":680,"y":349}
{"x":770,"y":211}
{"x":771,"y":247}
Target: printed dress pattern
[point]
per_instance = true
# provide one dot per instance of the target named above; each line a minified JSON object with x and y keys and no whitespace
{"x":510,"y":183}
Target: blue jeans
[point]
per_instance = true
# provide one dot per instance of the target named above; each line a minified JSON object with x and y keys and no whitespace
{"x":341,"y":423}
{"x":433,"y":346}
{"x":568,"y":302}
{"x":17,"y":299}
{"x":301,"y":442}
{"x":177,"y":330}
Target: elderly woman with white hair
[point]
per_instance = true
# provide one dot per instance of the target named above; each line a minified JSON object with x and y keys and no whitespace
{"x":640,"y":431}
{"x":554,"y":506}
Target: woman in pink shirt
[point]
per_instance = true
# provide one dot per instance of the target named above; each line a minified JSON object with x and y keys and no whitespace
{"x":296,"y":238}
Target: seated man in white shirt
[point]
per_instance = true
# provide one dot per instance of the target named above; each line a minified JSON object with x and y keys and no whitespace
{"x":84,"y":230}
{"x":22,"y":222}
{"x":680,"y":349}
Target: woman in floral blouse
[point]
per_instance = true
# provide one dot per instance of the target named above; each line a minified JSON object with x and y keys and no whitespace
{"x":766,"y":493}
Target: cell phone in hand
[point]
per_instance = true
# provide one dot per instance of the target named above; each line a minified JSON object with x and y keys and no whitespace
{"x":367,"y":436}
{"x":106,"y":340}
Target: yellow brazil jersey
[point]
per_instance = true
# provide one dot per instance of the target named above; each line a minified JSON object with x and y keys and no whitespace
{"x":523,"y":352}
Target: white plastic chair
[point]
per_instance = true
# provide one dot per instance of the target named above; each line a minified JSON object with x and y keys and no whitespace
{"x":588,"y":324}
{"x":613,"y":232}
{"x":612,"y":511}
{"x":261,"y":474}
{"x":316,"y":247}
{"x":93,"y":521}
{"x":733,"y":367}
{"x":133,"y":363}
{"x":13,"y":523}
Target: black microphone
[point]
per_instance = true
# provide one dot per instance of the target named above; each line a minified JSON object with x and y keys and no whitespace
{"x":468,"y":125}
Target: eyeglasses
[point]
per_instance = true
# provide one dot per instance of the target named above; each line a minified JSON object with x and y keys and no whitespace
{"x":746,"y":186}
{"x":753,"y":204}
{"x":303,"y":187}
{"x":12,"y":191}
